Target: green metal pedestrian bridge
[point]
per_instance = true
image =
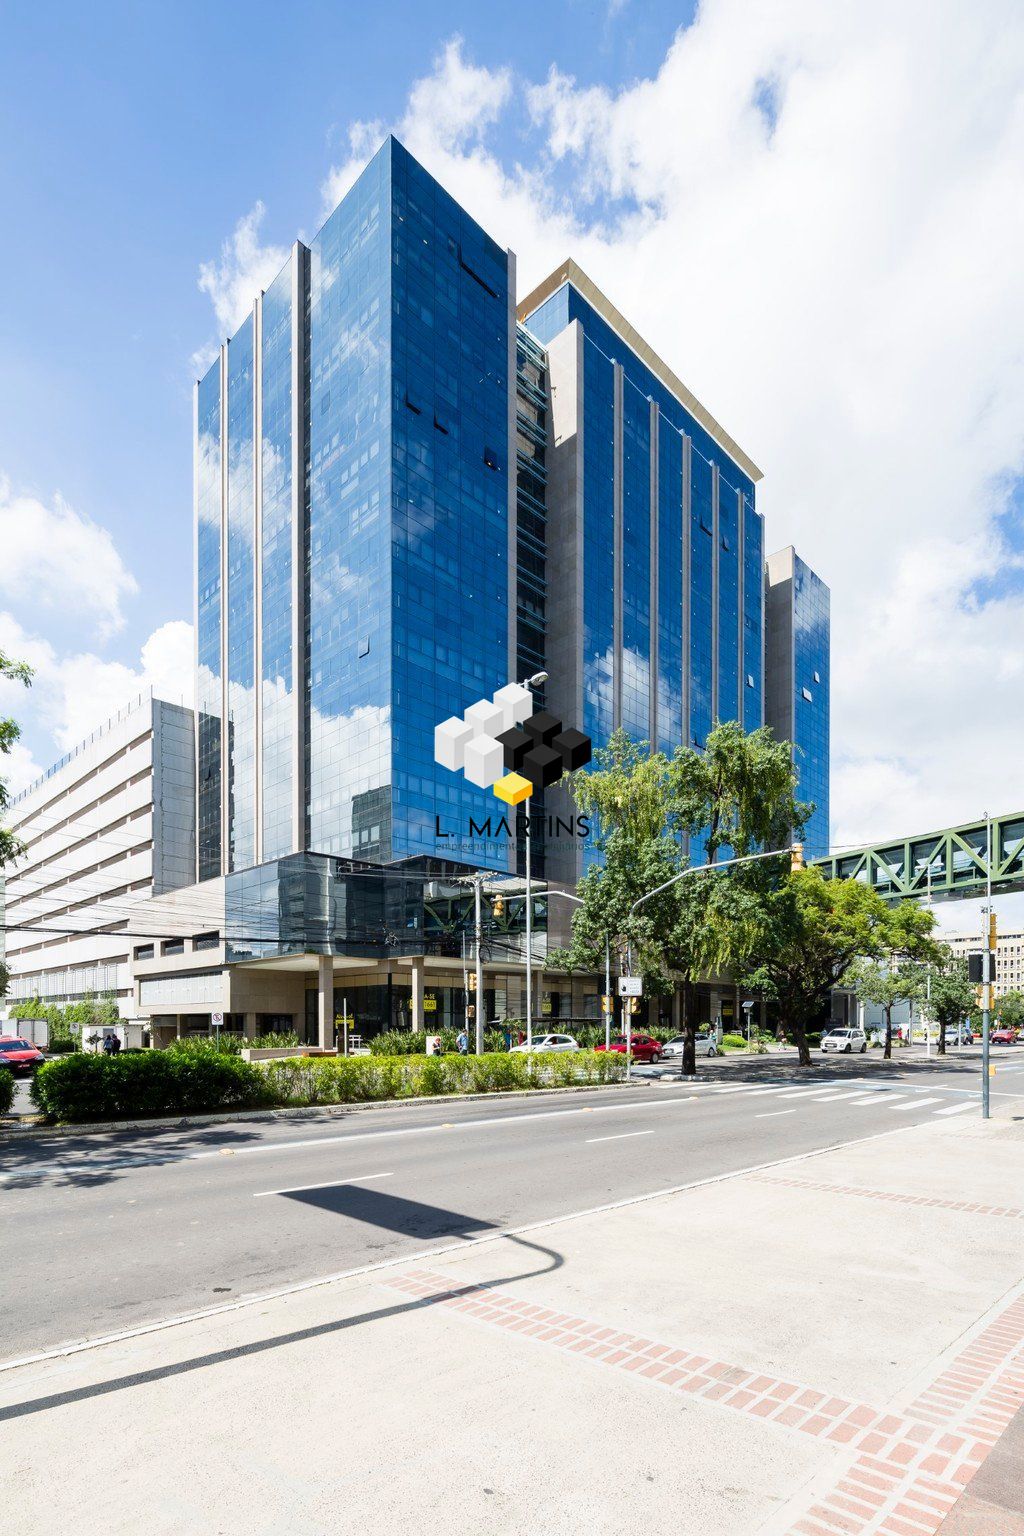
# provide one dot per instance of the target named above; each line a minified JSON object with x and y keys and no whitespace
{"x":938,"y":866}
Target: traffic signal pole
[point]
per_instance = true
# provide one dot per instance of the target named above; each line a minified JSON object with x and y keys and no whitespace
{"x":990,"y":961}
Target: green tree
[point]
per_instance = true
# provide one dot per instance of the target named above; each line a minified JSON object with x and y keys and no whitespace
{"x":886,"y":984}
{"x":796,"y":943}
{"x":950,"y":996}
{"x":738,"y":791}
{"x":10,"y":846}
{"x":626,"y":790}
{"x":1008,"y":1009}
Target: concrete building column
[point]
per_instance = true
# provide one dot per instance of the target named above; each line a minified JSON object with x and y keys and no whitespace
{"x":249,"y":1026}
{"x":325,"y":1001}
{"x":418,"y":967}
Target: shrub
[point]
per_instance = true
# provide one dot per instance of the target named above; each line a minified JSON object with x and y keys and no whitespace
{"x":355,"y":1079}
{"x":734,"y":1042}
{"x":399,"y":1042}
{"x":228,"y":1043}
{"x":82,"y":1087}
{"x":6,"y":1090}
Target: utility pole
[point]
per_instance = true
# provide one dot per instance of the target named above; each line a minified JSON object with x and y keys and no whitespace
{"x":988,"y":948}
{"x":608,"y":994}
{"x":479,"y":1001}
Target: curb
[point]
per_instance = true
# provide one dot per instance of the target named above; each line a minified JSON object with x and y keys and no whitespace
{"x":301,"y":1111}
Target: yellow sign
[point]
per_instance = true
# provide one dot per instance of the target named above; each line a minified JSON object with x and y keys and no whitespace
{"x":430,"y":1005}
{"x":344,"y":1020}
{"x":991,"y":1071}
{"x":545,"y":1006}
{"x":607,"y":1004}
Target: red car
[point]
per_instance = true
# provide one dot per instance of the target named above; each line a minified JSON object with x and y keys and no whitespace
{"x":19,"y":1055}
{"x":644,"y":1048}
{"x":997,"y":1037}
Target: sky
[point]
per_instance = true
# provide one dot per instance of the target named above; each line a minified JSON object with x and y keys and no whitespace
{"x":814,"y":213}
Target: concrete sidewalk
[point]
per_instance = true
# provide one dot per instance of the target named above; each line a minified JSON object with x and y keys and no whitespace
{"x":829,"y":1347}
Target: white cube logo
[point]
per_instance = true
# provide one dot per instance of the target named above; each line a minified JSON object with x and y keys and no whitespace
{"x":484,"y":761}
{"x":450,"y":741}
{"x":516,"y":704}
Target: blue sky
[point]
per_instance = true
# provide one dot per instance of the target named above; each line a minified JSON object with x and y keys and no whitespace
{"x":135,"y":136}
{"x":780,"y":197}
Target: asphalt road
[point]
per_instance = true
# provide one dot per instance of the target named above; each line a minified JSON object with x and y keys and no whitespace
{"x":104,"y":1232}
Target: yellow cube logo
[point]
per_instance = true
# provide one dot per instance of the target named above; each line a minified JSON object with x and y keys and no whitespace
{"x":513,"y":789}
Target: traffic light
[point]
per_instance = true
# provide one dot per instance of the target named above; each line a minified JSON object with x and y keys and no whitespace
{"x":498,"y":906}
{"x":976,"y":969}
{"x":992,"y":929}
{"x":796,"y":858}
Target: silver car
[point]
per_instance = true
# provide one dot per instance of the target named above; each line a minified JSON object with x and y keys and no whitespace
{"x":706,"y":1045}
{"x":547,"y":1043}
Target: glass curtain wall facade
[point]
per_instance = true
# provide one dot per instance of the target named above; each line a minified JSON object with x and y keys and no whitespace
{"x":668,"y":603}
{"x":798,"y":681}
{"x":361,"y":530}
{"x":208,"y":621}
{"x":651,"y":470}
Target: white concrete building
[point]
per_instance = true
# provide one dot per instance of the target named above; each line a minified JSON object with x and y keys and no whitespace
{"x":1009,"y":975}
{"x":111,"y":823}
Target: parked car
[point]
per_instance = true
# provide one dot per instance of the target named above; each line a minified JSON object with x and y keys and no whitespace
{"x":644,"y":1047}
{"x":845,"y":1040}
{"x":706,"y":1042}
{"x":1003,"y":1036}
{"x":547,"y":1043}
{"x":19,"y":1055}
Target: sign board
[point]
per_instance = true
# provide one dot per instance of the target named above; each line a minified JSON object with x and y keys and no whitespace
{"x":430,"y":1005}
{"x":631,"y":986}
{"x":607,"y":1004}
{"x":344,"y":1020}
{"x":217,"y":1020}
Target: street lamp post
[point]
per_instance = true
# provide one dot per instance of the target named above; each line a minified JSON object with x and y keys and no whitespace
{"x":530,"y":682}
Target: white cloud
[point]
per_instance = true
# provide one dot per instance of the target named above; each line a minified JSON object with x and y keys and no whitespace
{"x":816,"y":215}
{"x":55,"y":557}
{"x":72,"y":694}
{"x":233,"y":281}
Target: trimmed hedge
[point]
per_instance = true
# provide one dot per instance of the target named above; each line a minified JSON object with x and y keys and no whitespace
{"x":83,"y":1087}
{"x":358,"y":1079}
{"x":6,"y":1089}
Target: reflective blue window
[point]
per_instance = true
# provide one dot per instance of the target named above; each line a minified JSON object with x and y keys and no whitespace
{"x":670,"y":589}
{"x":277,"y":681}
{"x":811,"y":689}
{"x":752,"y":680}
{"x":728,"y":602}
{"x":241,"y":723}
{"x":598,"y":543}
{"x":208,"y":680}
{"x":636,"y":565}
{"x":702,"y":528}
{"x":349,"y":727}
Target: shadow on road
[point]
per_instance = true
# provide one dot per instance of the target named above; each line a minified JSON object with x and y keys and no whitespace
{"x":262,"y":1346}
{"x":394,"y":1213}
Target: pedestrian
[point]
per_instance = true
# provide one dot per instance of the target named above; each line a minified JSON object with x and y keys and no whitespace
{"x":115,"y":1045}
{"x":462,"y":1043}
{"x":108,"y":1044}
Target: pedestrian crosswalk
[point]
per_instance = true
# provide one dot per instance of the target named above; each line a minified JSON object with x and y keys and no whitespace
{"x":853,"y":1092}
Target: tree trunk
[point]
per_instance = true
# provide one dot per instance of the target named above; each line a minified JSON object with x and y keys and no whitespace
{"x":942,"y":1037}
{"x":798,"y":1034}
{"x":887,"y":1053}
{"x":688,"y":1063}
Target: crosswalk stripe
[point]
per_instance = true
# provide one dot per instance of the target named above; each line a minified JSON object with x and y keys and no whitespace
{"x":879,"y":1098}
{"x":955,"y":1109}
{"x":920,"y":1103}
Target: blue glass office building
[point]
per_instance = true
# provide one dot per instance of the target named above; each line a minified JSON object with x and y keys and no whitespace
{"x":356,"y":531}
{"x":407,"y":494}
{"x":655,"y":533}
{"x":799,"y":682}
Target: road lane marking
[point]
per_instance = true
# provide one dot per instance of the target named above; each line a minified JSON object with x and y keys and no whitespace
{"x":622,"y":1136}
{"x":299,"y":1287}
{"x":955,"y":1109}
{"x":918,"y":1103}
{"x":770,"y":1114}
{"x":296,"y":1189}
